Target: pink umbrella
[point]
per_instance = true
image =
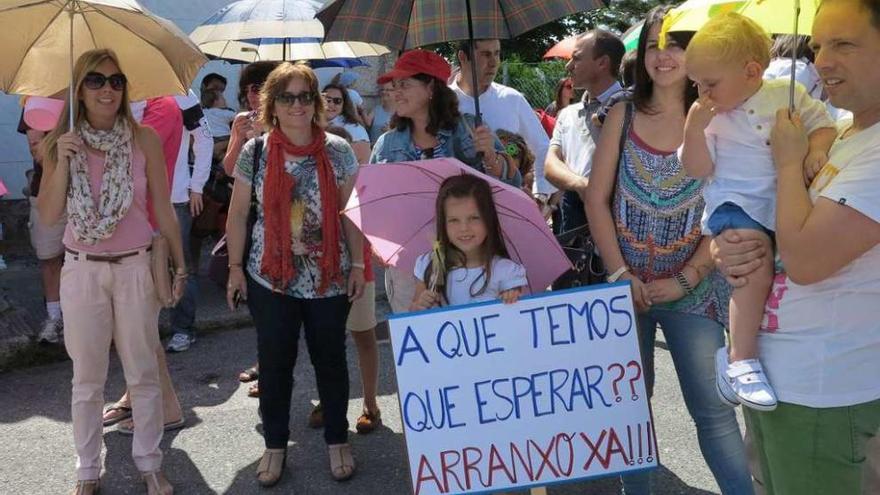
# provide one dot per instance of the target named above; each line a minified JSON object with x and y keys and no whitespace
{"x":393,"y":204}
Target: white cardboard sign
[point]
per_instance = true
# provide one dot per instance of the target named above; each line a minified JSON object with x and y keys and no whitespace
{"x":545,"y":391}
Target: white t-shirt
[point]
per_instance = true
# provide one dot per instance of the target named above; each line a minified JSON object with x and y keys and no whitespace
{"x":357,"y":131}
{"x":574,"y":137}
{"x":195,"y":126}
{"x":219,"y":121}
{"x":461,"y":282}
{"x":739,"y":143}
{"x":804,"y":73}
{"x":820,"y":343}
{"x":506,"y":108}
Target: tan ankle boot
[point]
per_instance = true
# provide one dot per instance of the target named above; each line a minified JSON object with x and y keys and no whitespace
{"x":157,"y":483}
{"x":271,"y":466}
{"x":87,"y":487}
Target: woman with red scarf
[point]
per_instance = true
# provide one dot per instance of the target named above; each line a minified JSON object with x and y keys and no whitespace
{"x":305,"y":263}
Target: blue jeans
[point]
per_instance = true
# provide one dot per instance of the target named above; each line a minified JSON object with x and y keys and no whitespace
{"x":692,"y":342}
{"x":183,"y":316}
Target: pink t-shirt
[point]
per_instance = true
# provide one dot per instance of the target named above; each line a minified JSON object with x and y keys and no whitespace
{"x":133,"y":231}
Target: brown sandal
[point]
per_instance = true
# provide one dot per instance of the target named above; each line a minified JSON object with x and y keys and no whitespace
{"x":316,"y":417}
{"x":254,"y":390}
{"x":249,"y":375}
{"x":271,"y":466}
{"x":157,"y":483}
{"x":87,"y":487}
{"x":341,"y":461}
{"x":368,"y":422}
{"x":116,"y":413}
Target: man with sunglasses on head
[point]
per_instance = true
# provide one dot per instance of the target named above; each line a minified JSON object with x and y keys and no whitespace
{"x":501,"y":107}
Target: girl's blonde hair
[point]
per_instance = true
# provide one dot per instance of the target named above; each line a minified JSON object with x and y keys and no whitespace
{"x":731,"y":37}
{"x":87,"y":62}
{"x":276,"y":83}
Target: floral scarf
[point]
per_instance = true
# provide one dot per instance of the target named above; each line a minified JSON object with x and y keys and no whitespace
{"x":92,"y":224}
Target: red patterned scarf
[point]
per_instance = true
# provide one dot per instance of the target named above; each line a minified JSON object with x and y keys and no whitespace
{"x":277,"y":264}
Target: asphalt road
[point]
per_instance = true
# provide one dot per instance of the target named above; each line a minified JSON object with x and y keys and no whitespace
{"x":219,"y":451}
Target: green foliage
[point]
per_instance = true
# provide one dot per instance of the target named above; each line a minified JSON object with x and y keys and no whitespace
{"x":537,"y":82}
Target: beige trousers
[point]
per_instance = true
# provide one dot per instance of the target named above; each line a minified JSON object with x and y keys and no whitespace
{"x":104,"y":302}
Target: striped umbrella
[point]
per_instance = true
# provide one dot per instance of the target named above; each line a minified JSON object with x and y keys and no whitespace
{"x":253,"y":30}
{"x":406,"y":24}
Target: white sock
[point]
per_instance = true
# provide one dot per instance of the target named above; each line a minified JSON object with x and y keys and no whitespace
{"x":54,"y":310}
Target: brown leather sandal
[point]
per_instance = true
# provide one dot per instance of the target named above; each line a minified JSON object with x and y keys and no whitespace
{"x":157,"y":483}
{"x":271,"y":466}
{"x":368,"y":422}
{"x":87,"y":487}
{"x":341,"y":461}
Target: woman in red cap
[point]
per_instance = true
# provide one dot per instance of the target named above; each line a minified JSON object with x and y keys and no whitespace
{"x":427,"y":124}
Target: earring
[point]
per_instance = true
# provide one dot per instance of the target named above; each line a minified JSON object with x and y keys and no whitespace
{"x":274,"y":121}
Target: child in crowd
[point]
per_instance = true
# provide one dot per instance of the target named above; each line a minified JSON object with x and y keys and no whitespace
{"x":219,"y":116}
{"x":727,"y":140}
{"x":469,"y":262}
{"x":521,"y":157}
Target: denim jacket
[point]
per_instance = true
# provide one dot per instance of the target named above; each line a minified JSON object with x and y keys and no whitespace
{"x":397,"y":146}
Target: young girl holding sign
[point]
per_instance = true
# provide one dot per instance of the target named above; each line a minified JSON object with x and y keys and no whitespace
{"x":469,"y":262}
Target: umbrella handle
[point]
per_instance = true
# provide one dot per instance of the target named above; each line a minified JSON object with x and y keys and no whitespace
{"x":70,"y":106}
{"x":794,"y":47}
{"x":478,"y":117}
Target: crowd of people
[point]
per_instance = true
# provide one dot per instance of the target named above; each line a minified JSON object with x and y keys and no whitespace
{"x":682,"y":167}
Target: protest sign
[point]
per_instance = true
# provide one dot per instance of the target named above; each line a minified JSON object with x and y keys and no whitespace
{"x":544,"y":391}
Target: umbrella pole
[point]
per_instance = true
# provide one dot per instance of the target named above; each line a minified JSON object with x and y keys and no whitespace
{"x":794,"y":50}
{"x":71,"y":107}
{"x":478,"y":120}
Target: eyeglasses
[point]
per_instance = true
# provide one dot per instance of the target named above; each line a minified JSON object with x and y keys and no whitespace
{"x":254,"y":88}
{"x":96,"y":80}
{"x":287,"y":98}
{"x":336,"y":100}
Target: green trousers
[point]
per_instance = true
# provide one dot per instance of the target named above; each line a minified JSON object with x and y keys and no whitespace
{"x":813,"y":451}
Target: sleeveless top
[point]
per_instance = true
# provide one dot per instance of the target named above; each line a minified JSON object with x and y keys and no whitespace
{"x":134,"y":230}
{"x":657,"y":210}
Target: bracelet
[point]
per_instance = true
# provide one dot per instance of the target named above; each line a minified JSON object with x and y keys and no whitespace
{"x":614,"y":277}
{"x":233,"y":265}
{"x":359,"y":265}
{"x":682,"y":281}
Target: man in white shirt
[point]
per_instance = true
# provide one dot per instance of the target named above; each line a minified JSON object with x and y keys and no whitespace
{"x":186,"y":195}
{"x":501,"y":107}
{"x":594,"y":66}
{"x":821,"y":337}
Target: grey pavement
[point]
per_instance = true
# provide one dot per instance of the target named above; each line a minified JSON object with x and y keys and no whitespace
{"x":218,"y":452}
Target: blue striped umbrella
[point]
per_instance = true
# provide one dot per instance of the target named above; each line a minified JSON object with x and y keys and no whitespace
{"x":252,"y":30}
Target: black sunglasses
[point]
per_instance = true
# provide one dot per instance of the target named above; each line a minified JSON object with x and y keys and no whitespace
{"x":96,"y":80}
{"x":336,"y":100}
{"x":287,"y":98}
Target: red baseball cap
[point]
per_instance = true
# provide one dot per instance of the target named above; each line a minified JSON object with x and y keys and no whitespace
{"x":418,"y":62}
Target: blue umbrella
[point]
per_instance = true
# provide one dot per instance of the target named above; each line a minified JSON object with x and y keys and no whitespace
{"x":252,"y":30}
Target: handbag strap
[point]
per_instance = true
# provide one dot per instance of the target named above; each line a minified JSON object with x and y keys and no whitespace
{"x":627,"y":122}
{"x":258,"y":152}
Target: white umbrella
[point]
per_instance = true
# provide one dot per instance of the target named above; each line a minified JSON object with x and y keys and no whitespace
{"x":254,"y":30}
{"x":42,"y":38}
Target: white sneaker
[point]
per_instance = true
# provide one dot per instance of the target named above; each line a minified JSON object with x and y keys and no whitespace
{"x":180,"y":342}
{"x":725,"y":391}
{"x":748,"y":381}
{"x":51,"y":331}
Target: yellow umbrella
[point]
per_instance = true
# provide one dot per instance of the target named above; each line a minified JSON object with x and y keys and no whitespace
{"x":42,"y":38}
{"x":775,"y":16}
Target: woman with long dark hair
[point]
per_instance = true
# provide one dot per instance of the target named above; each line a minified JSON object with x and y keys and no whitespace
{"x":644,"y":214}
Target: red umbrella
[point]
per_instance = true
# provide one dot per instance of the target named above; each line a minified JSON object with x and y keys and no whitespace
{"x":562,"y":49}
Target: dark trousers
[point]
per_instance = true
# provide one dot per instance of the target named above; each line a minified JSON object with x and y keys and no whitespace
{"x":278,"y":319}
{"x":572,"y":209}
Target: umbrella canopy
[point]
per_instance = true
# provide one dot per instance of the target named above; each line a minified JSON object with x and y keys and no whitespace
{"x":41,"y":38}
{"x":406,"y":24}
{"x":631,"y":36}
{"x":563,"y":49}
{"x":407,"y":191}
{"x":775,"y":16}
{"x":254,"y":30}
